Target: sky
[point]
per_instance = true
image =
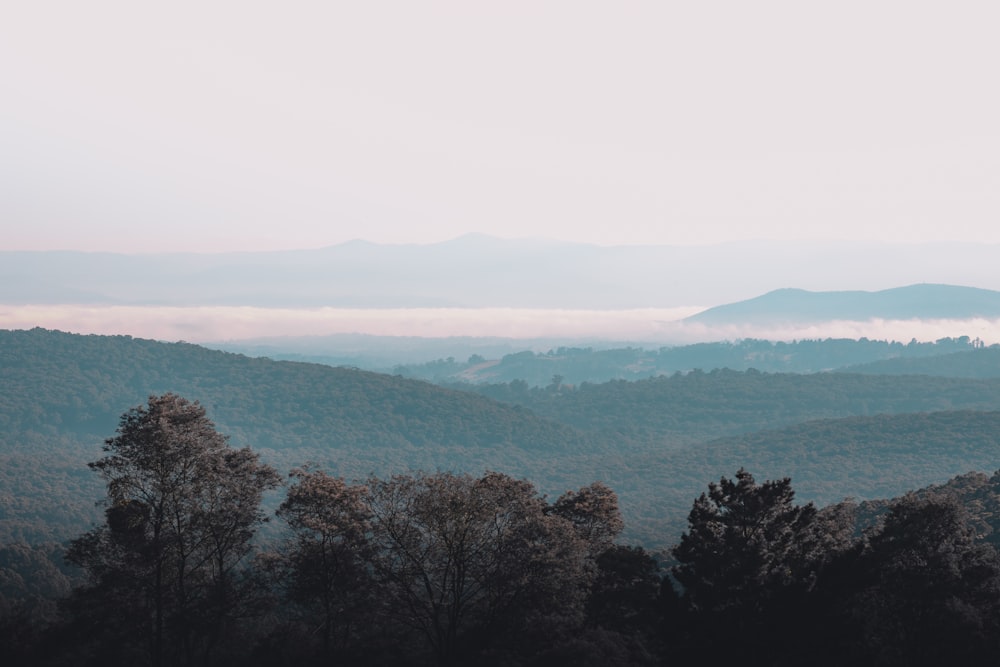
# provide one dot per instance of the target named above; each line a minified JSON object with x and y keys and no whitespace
{"x":217,"y":126}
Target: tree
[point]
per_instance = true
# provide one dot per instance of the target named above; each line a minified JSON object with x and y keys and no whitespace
{"x":927,"y":588}
{"x":593,"y":511}
{"x":626,"y":591}
{"x":624,"y":601}
{"x":742,"y":538}
{"x":328,"y":577}
{"x":468,"y":561}
{"x":747,"y":562}
{"x":182,"y":508}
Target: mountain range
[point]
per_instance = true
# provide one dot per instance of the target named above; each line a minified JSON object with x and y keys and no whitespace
{"x":478,"y":271}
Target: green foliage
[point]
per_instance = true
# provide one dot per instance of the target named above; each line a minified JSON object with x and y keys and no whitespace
{"x":948,"y":356}
{"x":62,"y":392}
{"x":685,"y":409}
{"x":59,"y":384}
{"x":977,"y":363}
{"x":646,"y":439}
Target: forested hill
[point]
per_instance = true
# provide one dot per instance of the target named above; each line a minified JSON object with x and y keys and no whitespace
{"x":496,"y":360}
{"x":654,"y":441}
{"x":983,"y":363}
{"x":59,"y":383}
{"x":867,"y":457}
{"x":63,"y":394}
{"x":698,"y":406}
{"x":877,"y":456}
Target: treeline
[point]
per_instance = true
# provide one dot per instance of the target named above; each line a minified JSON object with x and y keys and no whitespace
{"x":452,"y":569}
{"x":413,"y":569}
{"x":698,"y":406}
{"x":575,"y":365}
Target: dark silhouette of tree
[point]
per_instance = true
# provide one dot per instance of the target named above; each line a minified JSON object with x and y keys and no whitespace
{"x":926,"y":590}
{"x":749,"y":560}
{"x":742,"y":539}
{"x":182,"y":508}
{"x":326,"y":564}
{"x":624,"y":601}
{"x":625,"y":593}
{"x":470,"y":563}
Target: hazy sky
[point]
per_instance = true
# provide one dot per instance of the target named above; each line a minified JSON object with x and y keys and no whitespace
{"x":137,"y":126}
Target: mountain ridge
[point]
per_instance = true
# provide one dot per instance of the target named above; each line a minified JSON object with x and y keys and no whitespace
{"x":483,"y":271}
{"x":917,"y":301}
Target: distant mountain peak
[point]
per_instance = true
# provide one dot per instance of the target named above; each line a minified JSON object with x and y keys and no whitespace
{"x":922,"y":301}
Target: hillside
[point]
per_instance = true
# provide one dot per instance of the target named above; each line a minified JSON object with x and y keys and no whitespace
{"x":870,"y":457}
{"x":914,"y":302}
{"x":576,"y":365}
{"x":685,"y":409}
{"x":657,"y":442}
{"x":984,"y":363}
{"x":57,"y":383}
{"x":63,"y":394}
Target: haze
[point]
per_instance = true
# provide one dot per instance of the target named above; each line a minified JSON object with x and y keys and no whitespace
{"x":217,"y":126}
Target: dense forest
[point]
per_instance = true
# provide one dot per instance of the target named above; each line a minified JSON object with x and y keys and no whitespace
{"x":372,"y":457}
{"x":686,"y":408}
{"x":451,"y":569}
{"x":655,"y":441}
{"x":480,"y":361}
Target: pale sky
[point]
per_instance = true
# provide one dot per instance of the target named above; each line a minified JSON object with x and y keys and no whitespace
{"x":208,"y":126}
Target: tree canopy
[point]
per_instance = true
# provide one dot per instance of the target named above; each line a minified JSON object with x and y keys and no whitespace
{"x":181,"y":511}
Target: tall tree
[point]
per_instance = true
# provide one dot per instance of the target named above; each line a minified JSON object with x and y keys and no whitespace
{"x":328,"y":576}
{"x":182,"y":508}
{"x":742,"y":539}
{"x":468,"y":561}
{"x":748,"y":562}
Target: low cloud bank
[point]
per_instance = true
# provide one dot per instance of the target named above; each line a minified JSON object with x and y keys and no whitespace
{"x":654,"y":325}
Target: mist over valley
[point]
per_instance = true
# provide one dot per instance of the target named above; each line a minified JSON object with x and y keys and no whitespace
{"x":481,"y":286}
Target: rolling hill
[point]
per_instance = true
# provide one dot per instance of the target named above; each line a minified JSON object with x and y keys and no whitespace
{"x":64,"y":393}
{"x":983,"y":363}
{"x":685,"y":409}
{"x":657,"y":442}
{"x":870,"y":457}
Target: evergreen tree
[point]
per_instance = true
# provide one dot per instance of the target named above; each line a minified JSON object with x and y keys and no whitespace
{"x":748,"y":562}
